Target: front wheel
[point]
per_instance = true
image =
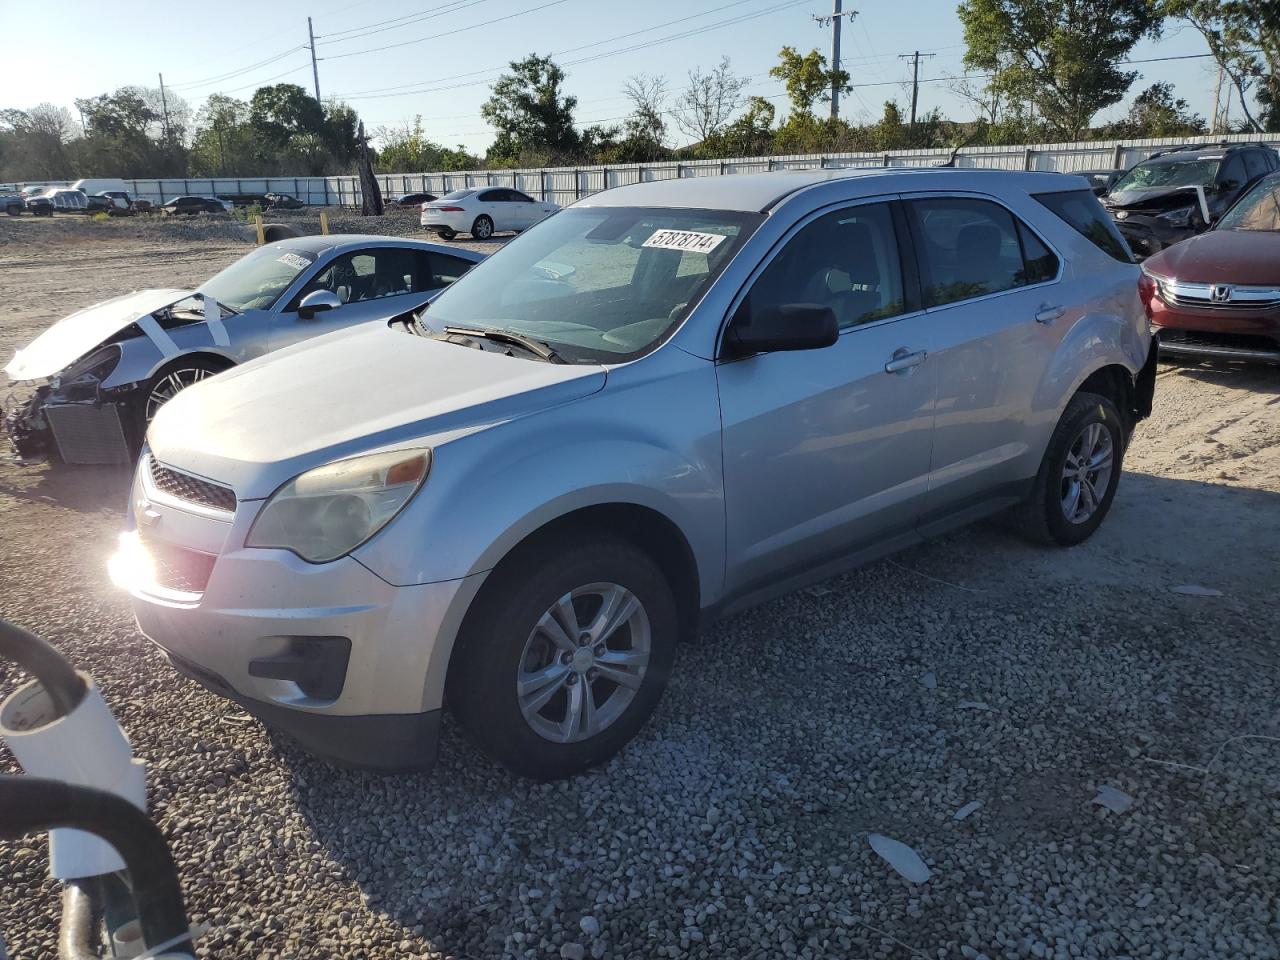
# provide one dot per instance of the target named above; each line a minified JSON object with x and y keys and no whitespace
{"x":482,"y":229}
{"x":170,"y":381}
{"x":565,"y":656}
{"x":13,"y":210}
{"x":1079,"y":474}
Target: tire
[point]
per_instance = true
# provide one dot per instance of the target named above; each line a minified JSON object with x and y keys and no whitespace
{"x":171,"y":380}
{"x":13,"y":210}
{"x":509,"y":633}
{"x":482,"y":229}
{"x":1092,"y":423}
{"x":446,"y":235}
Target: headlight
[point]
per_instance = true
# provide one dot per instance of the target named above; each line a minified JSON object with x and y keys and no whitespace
{"x":327,"y":512}
{"x":1180,"y":217}
{"x":94,"y":366}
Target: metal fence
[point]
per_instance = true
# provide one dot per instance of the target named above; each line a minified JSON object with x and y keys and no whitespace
{"x":563,"y":185}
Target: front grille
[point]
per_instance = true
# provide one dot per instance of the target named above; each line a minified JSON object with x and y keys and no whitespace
{"x":1208,"y":296}
{"x":1228,"y":341}
{"x":177,"y":568}
{"x":184,"y":486}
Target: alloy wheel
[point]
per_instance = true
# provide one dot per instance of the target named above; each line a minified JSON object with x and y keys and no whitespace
{"x":583,"y":662}
{"x":172,"y":383}
{"x":1086,"y":474}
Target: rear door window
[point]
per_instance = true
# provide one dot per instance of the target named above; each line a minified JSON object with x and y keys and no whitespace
{"x":1081,"y":211}
{"x":967,"y":248}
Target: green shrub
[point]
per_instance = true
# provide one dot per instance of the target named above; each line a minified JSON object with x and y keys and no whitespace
{"x":101,"y":217}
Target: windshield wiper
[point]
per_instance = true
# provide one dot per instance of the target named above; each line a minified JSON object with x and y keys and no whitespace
{"x":538,"y":348}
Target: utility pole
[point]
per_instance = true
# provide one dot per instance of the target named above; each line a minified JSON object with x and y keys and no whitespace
{"x":915,"y":78}
{"x":315,"y":71}
{"x":833,"y":20}
{"x":164,"y":105}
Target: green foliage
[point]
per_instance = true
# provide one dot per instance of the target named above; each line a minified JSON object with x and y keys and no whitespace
{"x":807,"y":78}
{"x":407,"y":149}
{"x":100,"y":217}
{"x":1060,"y":56}
{"x":532,"y":114}
{"x":1156,"y":112}
{"x":1244,"y":38}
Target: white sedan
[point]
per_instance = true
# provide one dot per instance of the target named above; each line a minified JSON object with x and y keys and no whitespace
{"x":483,"y":211}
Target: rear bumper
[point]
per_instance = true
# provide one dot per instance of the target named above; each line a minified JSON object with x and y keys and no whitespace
{"x":457,"y":222}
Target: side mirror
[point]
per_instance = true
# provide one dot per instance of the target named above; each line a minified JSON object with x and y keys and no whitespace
{"x":787,"y":326}
{"x":317,"y":301}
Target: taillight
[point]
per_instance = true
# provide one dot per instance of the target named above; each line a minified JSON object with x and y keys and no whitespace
{"x":1148,"y":288}
{"x":451,"y":209}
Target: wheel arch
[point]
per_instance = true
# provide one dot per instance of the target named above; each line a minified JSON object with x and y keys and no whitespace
{"x":647,"y":528}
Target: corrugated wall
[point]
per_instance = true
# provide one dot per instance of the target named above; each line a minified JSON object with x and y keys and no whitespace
{"x":563,"y":185}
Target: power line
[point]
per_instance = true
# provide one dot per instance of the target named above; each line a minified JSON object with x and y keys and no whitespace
{"x":447,"y":33}
{"x":237,"y":72}
{"x":396,"y":23}
{"x":589,"y":59}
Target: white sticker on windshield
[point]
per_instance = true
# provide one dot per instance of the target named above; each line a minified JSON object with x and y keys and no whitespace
{"x":684,"y":240}
{"x":293,"y":260}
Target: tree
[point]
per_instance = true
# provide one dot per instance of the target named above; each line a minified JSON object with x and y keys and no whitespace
{"x":1156,"y":112}
{"x":751,"y":135}
{"x":645,"y":131}
{"x":1060,"y":56}
{"x":705,"y":106}
{"x":283,"y":111}
{"x":807,"y":78}
{"x":1244,"y":38}
{"x":408,"y":150}
{"x":532,"y":114}
{"x":120,"y":115}
{"x":34,"y":143}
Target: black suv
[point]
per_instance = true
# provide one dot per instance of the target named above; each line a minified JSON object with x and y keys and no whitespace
{"x":1178,"y":193}
{"x":191,"y":206}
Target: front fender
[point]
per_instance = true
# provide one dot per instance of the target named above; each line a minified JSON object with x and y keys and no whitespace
{"x":651,"y":441}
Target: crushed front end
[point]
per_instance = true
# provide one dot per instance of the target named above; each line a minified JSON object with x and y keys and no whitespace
{"x":72,"y":418}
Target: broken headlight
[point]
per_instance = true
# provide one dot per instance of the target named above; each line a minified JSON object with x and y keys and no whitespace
{"x":327,"y":512}
{"x":92,"y":366}
{"x":1181,"y":217}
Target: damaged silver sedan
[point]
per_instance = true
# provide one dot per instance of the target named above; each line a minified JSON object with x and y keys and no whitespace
{"x":103,"y":372}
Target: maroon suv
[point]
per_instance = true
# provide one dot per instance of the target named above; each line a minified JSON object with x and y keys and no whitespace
{"x":1218,"y":294}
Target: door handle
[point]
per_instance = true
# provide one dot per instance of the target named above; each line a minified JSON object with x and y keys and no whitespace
{"x":903,"y":360}
{"x":1048,"y":314}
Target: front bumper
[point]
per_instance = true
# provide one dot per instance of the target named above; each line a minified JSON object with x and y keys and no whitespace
{"x":247,"y":635}
{"x":1224,"y":333}
{"x":1147,"y":236}
{"x":71,"y":428}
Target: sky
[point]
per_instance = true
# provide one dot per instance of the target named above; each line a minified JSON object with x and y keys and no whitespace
{"x":396,"y":59}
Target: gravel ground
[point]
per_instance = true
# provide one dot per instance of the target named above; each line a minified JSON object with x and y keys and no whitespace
{"x":974,"y":669}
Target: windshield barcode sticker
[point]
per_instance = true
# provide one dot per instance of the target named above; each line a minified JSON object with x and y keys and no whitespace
{"x":684,"y":240}
{"x":293,"y":260}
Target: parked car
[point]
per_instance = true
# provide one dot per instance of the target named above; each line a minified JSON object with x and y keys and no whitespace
{"x":57,"y":200}
{"x":111,"y":366}
{"x":226,"y":206}
{"x":483,"y":212}
{"x":190,"y":206}
{"x":1101,"y":181}
{"x":244,"y":199}
{"x":99,"y":204}
{"x":669,"y":401}
{"x":1178,"y":193}
{"x":412,"y":200}
{"x":1218,"y":295}
{"x":123,"y":204}
{"x":282,"y":201}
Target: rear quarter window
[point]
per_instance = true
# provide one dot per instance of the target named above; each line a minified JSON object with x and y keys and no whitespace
{"x":1081,"y":211}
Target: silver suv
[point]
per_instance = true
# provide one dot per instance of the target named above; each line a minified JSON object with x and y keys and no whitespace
{"x":666,"y":403}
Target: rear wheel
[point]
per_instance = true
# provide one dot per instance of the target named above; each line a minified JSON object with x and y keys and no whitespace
{"x":446,"y":234}
{"x":1079,"y":474}
{"x":565,"y":655}
{"x":482,"y":229}
{"x":13,"y":209}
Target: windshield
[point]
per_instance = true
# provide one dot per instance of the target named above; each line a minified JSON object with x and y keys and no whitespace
{"x":458,"y":195}
{"x":1169,"y":173}
{"x":256,"y":281}
{"x":1259,"y":209}
{"x":597,"y":284}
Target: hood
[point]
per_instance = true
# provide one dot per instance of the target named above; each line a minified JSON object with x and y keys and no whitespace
{"x":72,"y":337}
{"x":1158,"y":199}
{"x":354,"y":391}
{"x":1222,"y":256}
